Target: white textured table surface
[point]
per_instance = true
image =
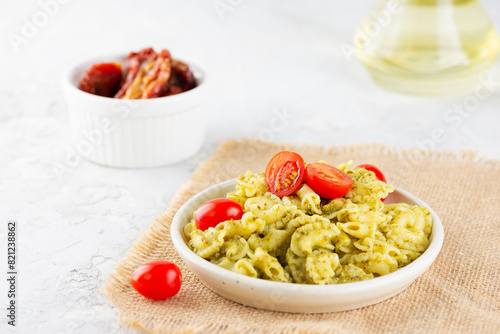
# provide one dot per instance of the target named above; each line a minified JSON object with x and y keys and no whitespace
{"x":265,"y":57}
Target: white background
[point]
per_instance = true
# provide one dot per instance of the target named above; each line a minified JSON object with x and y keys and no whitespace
{"x":262,"y":56}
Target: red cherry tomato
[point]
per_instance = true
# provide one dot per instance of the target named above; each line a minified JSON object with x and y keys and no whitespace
{"x":374,"y":169}
{"x":157,"y":279}
{"x":217,"y":211}
{"x":378,"y":173}
{"x":327,"y":181}
{"x":285,"y":173}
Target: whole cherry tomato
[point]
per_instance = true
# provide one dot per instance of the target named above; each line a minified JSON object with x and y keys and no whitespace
{"x":285,"y":173}
{"x":374,"y":169}
{"x":157,"y":279}
{"x":217,"y":211}
{"x":327,"y":181}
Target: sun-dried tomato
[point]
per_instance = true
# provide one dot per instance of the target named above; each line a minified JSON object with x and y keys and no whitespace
{"x":186,"y":74}
{"x":102,"y":79}
{"x":134,"y":61}
{"x":150,"y":74}
{"x":158,"y":76}
{"x":181,"y":80}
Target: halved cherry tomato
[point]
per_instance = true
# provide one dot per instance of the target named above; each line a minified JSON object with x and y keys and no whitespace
{"x":374,"y":169}
{"x":157,"y":279}
{"x":285,"y":173}
{"x":378,"y":173}
{"x":327,"y":181}
{"x":216,"y":211}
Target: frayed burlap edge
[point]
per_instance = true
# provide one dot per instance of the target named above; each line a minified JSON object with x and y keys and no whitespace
{"x":144,"y":247}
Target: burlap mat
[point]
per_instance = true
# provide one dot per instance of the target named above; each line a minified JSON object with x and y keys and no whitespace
{"x":460,"y":293}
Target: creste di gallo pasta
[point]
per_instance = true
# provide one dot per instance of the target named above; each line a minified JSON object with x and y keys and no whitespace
{"x":307,"y":239}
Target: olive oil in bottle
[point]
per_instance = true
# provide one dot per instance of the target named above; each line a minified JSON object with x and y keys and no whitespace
{"x":430,"y":47}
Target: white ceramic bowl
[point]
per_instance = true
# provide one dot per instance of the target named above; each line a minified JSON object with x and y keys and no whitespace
{"x":136,"y":133}
{"x":300,"y":298}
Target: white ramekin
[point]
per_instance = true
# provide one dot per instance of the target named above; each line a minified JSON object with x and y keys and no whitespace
{"x":136,"y":133}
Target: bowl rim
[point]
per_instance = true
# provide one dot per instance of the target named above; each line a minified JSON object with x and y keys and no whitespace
{"x":413,"y":269}
{"x":201,"y":89}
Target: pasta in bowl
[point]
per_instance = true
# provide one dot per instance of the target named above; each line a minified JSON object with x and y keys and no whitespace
{"x":341,"y":254}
